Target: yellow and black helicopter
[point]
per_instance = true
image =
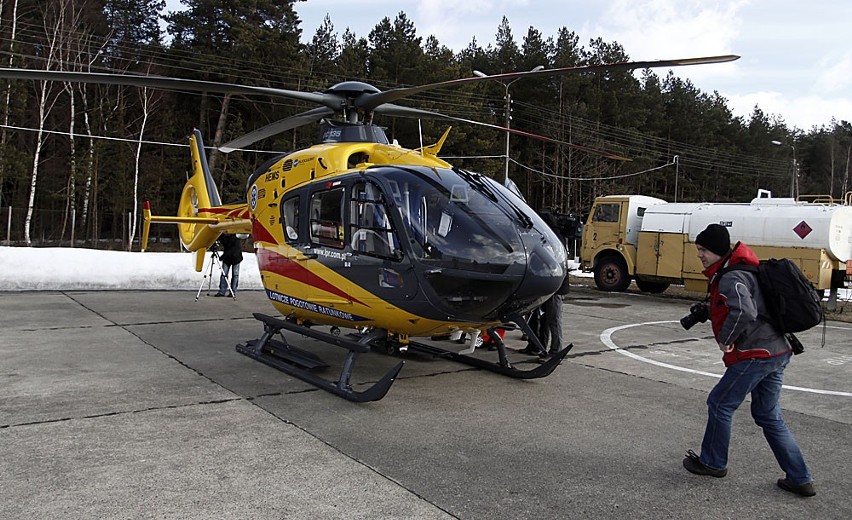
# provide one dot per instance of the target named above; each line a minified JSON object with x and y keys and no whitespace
{"x":359,"y":233}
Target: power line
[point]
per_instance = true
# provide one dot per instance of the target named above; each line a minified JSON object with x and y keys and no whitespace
{"x":122,"y":139}
{"x":468,"y":102}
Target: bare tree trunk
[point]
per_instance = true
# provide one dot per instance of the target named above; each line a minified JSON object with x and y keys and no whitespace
{"x":79,"y":55}
{"x":46,"y":101}
{"x":107,"y":114}
{"x":71,"y":191}
{"x":60,"y":26}
{"x":3,"y":136}
{"x":146,"y":102}
{"x":219,"y":136}
{"x":95,"y":219}
{"x":44,"y":107}
{"x":90,"y":153}
{"x":89,"y":164}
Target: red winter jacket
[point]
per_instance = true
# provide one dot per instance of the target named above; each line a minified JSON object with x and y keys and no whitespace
{"x":735,"y":303}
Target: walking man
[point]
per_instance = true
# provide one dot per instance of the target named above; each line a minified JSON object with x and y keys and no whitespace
{"x":755,"y":355}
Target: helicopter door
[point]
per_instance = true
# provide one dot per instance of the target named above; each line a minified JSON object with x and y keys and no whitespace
{"x":325,"y":230}
{"x":378,"y":262}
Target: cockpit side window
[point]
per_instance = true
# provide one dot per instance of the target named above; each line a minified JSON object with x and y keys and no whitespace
{"x":290,"y":219}
{"x":371,"y":231}
{"x":426,"y":212}
{"x":326,"y":219}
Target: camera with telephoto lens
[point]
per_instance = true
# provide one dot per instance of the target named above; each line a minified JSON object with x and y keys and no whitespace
{"x":795,"y":344}
{"x":698,"y":313}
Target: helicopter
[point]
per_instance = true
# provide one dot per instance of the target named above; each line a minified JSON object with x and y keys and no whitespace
{"x":357,"y":232}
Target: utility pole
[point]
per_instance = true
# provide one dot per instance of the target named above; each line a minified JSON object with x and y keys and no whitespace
{"x":508,"y":124}
{"x":794,"y":181}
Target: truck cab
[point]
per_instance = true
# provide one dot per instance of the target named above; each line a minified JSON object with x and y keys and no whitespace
{"x":610,"y":239}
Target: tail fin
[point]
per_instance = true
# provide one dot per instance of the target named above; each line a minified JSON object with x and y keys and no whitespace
{"x":201,"y":215}
{"x":199,"y":193}
{"x":202,"y":170}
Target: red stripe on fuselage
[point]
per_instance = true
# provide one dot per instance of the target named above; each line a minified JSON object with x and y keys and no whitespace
{"x":261,"y":234}
{"x":234,"y":213}
{"x":275,"y":263}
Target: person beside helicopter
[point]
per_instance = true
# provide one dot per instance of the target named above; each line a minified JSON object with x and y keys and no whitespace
{"x":551,"y":325}
{"x":546,"y":321}
{"x":232,"y":255}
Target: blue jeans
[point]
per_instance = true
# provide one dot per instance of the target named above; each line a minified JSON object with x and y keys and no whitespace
{"x":235,"y":278}
{"x":762,"y":378}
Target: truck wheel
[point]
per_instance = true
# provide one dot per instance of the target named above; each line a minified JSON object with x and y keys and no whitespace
{"x":611,"y":274}
{"x":651,"y":287}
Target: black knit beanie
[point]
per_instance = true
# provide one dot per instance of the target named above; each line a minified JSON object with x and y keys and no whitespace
{"x":715,"y":238}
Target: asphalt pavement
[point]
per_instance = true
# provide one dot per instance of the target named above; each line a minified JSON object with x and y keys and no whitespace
{"x":135,"y":404}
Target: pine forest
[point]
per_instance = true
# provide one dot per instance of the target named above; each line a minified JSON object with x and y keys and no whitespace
{"x":77,"y":160}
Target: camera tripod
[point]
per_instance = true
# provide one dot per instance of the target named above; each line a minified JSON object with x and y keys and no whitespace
{"x":208,"y":276}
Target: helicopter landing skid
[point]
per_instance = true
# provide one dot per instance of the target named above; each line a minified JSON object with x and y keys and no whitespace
{"x":298,"y":363}
{"x":502,"y":366}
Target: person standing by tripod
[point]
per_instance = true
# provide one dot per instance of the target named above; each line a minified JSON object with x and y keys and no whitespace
{"x":232,"y":255}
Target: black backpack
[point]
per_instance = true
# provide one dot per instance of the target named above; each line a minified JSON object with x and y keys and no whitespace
{"x":794,"y":304}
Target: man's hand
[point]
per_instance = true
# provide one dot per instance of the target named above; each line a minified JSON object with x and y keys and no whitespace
{"x":726,"y":348}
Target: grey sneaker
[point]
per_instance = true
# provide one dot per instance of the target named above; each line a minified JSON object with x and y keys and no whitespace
{"x":693,"y":464}
{"x":803,"y":490}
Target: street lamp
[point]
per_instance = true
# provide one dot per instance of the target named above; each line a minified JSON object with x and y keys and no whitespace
{"x":794,"y":182}
{"x":508,"y":109}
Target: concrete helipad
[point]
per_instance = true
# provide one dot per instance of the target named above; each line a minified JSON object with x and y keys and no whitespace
{"x":135,"y":405}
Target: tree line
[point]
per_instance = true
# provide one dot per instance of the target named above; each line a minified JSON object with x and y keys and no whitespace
{"x":77,"y":159}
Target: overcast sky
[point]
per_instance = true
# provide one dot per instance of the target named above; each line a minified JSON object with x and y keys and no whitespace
{"x":796,"y":58}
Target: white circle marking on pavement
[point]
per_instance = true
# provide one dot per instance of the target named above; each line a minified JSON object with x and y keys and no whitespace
{"x":606,"y":339}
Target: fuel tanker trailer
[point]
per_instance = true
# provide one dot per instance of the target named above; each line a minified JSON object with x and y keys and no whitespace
{"x":634,"y":237}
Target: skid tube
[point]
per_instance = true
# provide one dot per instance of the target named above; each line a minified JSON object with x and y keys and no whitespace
{"x":297,"y":362}
{"x":502,"y":366}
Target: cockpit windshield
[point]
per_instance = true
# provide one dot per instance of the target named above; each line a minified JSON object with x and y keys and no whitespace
{"x":516,"y":202}
{"x":452,"y":223}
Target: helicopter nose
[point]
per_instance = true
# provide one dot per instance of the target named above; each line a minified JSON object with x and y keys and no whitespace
{"x":546,"y":271}
{"x":544,"y":265}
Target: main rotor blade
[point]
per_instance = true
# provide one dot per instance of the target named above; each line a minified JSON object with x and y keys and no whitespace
{"x":163,"y":82}
{"x":277,"y":127}
{"x":371,"y":101}
{"x":389,"y":109}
